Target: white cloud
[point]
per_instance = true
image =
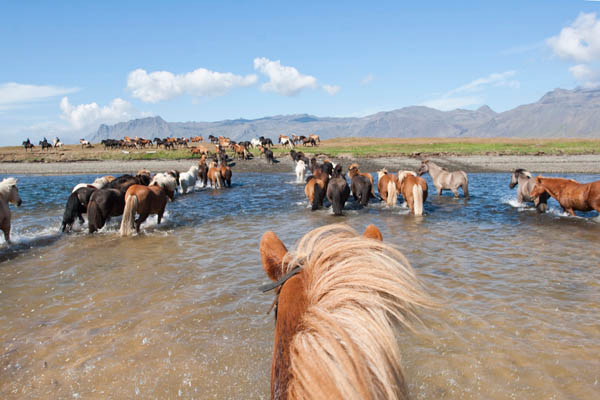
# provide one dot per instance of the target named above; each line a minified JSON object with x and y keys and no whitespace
{"x":367,"y":79}
{"x":580,"y":41}
{"x":284,"y":80}
{"x":585,"y":75}
{"x":331,"y":89}
{"x":163,"y":85}
{"x":91,"y":115}
{"x":12,"y":93}
{"x":459,"y":97}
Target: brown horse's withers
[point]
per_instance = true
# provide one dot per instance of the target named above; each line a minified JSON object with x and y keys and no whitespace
{"x":570,"y":194}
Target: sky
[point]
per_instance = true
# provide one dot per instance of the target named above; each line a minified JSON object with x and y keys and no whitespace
{"x":66,"y":68}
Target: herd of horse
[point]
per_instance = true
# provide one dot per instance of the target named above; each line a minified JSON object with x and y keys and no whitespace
{"x":340,"y":296}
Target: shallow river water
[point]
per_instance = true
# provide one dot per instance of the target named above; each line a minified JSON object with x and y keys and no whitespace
{"x":175,"y":311}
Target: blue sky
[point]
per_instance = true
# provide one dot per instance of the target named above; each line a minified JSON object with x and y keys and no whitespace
{"x":67,"y":68}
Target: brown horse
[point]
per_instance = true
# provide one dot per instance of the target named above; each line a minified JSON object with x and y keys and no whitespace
{"x":413,"y":189}
{"x":387,"y":187}
{"x":570,"y":194}
{"x":340,"y":300}
{"x":353,"y":171}
{"x":315,"y":189}
{"x":226,"y":174}
{"x":214,"y":175}
{"x":146,"y":200}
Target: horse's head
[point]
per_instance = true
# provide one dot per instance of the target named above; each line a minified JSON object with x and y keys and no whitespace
{"x":424,"y":168}
{"x":286,"y":270}
{"x":537,"y":190}
{"x":514,"y":179}
{"x":337,"y":171}
{"x":353,"y":170}
{"x":9,"y":186}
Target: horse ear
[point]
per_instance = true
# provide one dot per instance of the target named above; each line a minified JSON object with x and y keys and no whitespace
{"x":272,"y":251}
{"x":372,"y":232}
{"x":538,"y":179}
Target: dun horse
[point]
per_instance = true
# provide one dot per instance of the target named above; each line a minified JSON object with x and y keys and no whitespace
{"x":413,"y":189}
{"x":146,"y":200}
{"x":9,"y":193}
{"x":340,"y":300}
{"x":525,"y":183}
{"x":445,"y":180}
{"x":338,"y":190}
{"x":570,"y":194}
{"x":386,"y":186}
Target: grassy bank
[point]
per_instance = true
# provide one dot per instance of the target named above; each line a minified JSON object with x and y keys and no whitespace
{"x":349,"y":147}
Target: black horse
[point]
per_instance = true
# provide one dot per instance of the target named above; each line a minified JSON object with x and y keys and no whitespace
{"x":203,"y":172}
{"x":76,"y":206}
{"x":45,"y":145}
{"x":338,"y":190}
{"x":28,"y":145}
{"x":269,"y":156}
{"x":361,"y":189}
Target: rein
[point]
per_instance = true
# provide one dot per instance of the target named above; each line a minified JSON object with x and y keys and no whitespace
{"x":278,"y":285}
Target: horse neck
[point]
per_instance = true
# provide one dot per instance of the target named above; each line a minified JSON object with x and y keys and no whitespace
{"x":434,"y":169}
{"x":551,"y":186}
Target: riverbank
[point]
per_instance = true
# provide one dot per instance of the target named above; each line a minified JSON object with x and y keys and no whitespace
{"x":473,"y":163}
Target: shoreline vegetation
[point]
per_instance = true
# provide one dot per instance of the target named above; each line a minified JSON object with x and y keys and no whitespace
{"x":339,"y":147}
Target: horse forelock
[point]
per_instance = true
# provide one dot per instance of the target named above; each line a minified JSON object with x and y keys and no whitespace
{"x":357,"y":290}
{"x":6,"y":186}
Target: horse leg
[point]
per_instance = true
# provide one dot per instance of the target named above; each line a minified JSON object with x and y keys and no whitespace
{"x":571,"y":211}
{"x":160,"y":215}
{"x":439,"y":190}
{"x":6,"y":230}
{"x":455,"y":191}
{"x":140,"y":221}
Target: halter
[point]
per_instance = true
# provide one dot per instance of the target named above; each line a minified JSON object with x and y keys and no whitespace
{"x":278,"y":285}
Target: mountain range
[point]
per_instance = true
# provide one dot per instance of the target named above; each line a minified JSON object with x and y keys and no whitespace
{"x":559,"y":113}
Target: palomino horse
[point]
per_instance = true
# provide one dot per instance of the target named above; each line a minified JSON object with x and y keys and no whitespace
{"x":341,"y":299}
{"x":445,"y":180}
{"x":300,"y":171}
{"x":570,"y":194}
{"x":413,"y":189}
{"x":526,"y":183}
{"x":386,"y":186}
{"x":99,"y":183}
{"x":9,"y":193}
{"x":214,"y":175}
{"x":353,"y":170}
{"x":338,"y":190}
{"x":146,"y":200}
{"x":76,"y":206}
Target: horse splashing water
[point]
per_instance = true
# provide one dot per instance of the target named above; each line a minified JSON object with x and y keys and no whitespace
{"x":338,"y":190}
{"x":444,"y":179}
{"x":9,"y":193}
{"x":188,"y":179}
{"x":76,"y":206}
{"x":413,"y":189}
{"x":300,"y":171}
{"x":340,"y":300}
{"x":570,"y":194}
{"x":525,"y":183}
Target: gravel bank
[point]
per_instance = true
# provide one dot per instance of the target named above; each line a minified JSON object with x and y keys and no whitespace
{"x":537,"y":164}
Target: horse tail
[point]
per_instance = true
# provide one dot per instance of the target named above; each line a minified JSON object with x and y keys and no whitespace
{"x":465,"y":185}
{"x":317,"y":194}
{"x":392,"y":195}
{"x":417,"y":199}
{"x":95,"y":218}
{"x":219,"y":180}
{"x":127,"y":223}
{"x":71,"y":211}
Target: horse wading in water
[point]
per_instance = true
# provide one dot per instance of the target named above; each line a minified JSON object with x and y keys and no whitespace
{"x":340,"y":300}
{"x":525,"y":183}
{"x":444,"y":179}
{"x":338,"y":190}
{"x":413,"y":189}
{"x":570,"y":194}
{"x":387,"y":187}
{"x":9,"y":193}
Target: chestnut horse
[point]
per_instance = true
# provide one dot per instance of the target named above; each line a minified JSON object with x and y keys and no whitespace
{"x":413,"y":189}
{"x":570,"y":194}
{"x":341,"y":298}
{"x":146,"y":200}
{"x":315,"y":189}
{"x":386,"y":186}
{"x":214,"y":175}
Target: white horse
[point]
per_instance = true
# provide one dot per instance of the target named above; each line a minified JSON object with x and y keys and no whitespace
{"x":255,"y":143}
{"x":188,"y":179}
{"x":165,"y":179}
{"x":8,"y":194}
{"x":56,"y":142}
{"x":300,"y":170}
{"x":99,"y":183}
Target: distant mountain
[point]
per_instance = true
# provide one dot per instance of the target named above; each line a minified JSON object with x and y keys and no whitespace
{"x":560,"y":113}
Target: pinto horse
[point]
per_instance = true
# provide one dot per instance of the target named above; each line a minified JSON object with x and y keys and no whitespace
{"x":413,"y":189}
{"x":570,"y":194}
{"x":387,"y":187}
{"x":146,"y":200}
{"x":9,"y":193}
{"x":341,"y":300}
{"x":338,"y":190}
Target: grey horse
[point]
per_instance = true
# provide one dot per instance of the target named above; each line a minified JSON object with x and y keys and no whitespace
{"x":526,"y":182}
{"x":444,"y":179}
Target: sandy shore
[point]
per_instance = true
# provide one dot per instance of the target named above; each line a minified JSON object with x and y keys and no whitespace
{"x":537,"y":164}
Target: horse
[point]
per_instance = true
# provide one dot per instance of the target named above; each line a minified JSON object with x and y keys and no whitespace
{"x":570,"y":194}
{"x":268,"y":155}
{"x":110,"y":200}
{"x":300,"y":171}
{"x":361,"y":186}
{"x":56,"y":142}
{"x":99,"y":183}
{"x":341,"y":299}
{"x":525,"y":183}
{"x":28,"y":145}
{"x":225,"y":174}
{"x":175,"y":174}
{"x":387,"y":187}
{"x":188,"y":179}
{"x":445,"y":180}
{"x":286,"y":141}
{"x":85,"y":143}
{"x":316,"y":138}
{"x":203,"y":171}
{"x":76,"y":206}
{"x":165,"y":179}
{"x":45,"y":145}
{"x":214,"y":175}
{"x":9,"y":193}
{"x":353,"y":170}
{"x":146,"y":200}
{"x":338,"y":190}
{"x":255,"y":142}
{"x":413,"y":189}
{"x":315,"y":189}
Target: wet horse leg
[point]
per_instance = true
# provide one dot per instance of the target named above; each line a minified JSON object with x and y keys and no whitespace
{"x":140,"y":221}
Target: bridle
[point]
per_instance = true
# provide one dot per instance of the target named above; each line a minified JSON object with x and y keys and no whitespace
{"x":278,"y":285}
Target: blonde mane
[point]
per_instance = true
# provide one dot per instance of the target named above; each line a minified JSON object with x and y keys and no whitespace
{"x":381,"y":172}
{"x":5,"y":186}
{"x":403,"y":174}
{"x":358,"y":291}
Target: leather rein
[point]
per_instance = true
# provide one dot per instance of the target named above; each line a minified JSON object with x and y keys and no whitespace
{"x":278,"y":285}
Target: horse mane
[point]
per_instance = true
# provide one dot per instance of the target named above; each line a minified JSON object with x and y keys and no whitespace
{"x":381,"y":172}
{"x":6,"y":184}
{"x":523,"y":171}
{"x":358,"y":291}
{"x":403,"y":174}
